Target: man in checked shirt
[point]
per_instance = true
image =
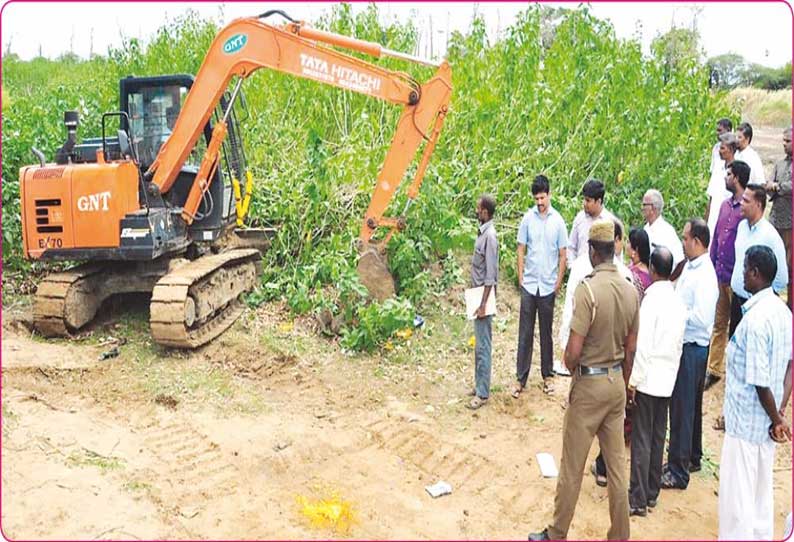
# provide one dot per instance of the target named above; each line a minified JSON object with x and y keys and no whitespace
{"x":758,"y":382}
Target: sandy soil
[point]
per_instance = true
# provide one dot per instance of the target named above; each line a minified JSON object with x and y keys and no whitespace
{"x":221,"y":443}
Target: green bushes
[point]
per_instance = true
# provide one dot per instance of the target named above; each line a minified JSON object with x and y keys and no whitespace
{"x":564,"y":98}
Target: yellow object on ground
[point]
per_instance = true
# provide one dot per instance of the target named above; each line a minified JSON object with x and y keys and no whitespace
{"x":328,"y":513}
{"x":404,"y":334}
{"x":286,"y":327}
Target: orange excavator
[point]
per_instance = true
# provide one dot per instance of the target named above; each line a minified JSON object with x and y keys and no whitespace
{"x":159,"y":206}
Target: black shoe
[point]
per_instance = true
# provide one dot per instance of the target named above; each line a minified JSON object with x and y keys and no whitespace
{"x":695,"y":468}
{"x":710,"y":380}
{"x":542,"y":535}
{"x":641,"y":512}
{"x":652,"y":503}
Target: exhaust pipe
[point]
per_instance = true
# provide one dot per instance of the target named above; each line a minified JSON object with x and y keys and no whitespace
{"x":71,"y":119}
{"x":40,"y":156}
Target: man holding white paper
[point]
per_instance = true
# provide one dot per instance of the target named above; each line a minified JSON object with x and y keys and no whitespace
{"x":484,"y":273}
{"x":542,"y":248}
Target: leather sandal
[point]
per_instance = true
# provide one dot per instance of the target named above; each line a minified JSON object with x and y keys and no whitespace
{"x":719,"y":423}
{"x":476,"y":403}
{"x":517,"y":389}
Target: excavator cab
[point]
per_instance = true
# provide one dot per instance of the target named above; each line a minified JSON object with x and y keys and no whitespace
{"x":153,"y":104}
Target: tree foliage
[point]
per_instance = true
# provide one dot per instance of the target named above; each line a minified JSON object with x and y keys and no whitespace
{"x":768,"y":78}
{"x":732,"y":70}
{"x":558,"y":95}
{"x":677,"y":49}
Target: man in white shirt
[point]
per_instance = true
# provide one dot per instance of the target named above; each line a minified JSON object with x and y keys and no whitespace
{"x":744,"y":137}
{"x":659,"y":344}
{"x":716,"y":190}
{"x":724,"y":126}
{"x":660,"y":232}
{"x":592,"y":209}
{"x":697,"y":287}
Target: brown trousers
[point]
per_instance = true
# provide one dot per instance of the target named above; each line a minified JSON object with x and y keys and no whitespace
{"x":719,"y":335}
{"x":785,"y":234}
{"x":597,"y":406}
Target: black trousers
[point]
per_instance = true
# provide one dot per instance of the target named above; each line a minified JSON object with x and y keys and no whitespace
{"x":649,"y":426}
{"x":736,"y":312}
{"x":686,"y":413}
{"x":542,"y":306}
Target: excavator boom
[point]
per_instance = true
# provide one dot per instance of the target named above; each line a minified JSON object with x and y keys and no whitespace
{"x":249,"y":44}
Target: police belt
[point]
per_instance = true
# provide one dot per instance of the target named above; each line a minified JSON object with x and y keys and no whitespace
{"x":584,"y":370}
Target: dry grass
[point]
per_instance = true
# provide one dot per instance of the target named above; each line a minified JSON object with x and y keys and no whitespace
{"x":763,"y":107}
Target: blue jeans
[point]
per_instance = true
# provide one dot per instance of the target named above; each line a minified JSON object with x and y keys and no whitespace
{"x":686,"y":413}
{"x":482,"y":356}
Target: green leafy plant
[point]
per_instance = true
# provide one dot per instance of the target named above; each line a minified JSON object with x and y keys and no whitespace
{"x":376,"y":322}
{"x":559,"y":94}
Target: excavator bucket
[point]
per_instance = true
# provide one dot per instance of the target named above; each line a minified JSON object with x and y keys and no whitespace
{"x":373,"y":271}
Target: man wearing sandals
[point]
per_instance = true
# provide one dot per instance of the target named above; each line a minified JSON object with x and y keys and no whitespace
{"x":599,"y":354}
{"x":542,"y":244}
{"x":484,"y":272}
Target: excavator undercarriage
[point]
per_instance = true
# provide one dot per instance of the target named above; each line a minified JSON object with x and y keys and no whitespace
{"x":192,"y":301}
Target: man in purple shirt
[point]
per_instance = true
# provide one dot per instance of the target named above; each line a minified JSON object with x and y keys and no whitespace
{"x":723,"y":257}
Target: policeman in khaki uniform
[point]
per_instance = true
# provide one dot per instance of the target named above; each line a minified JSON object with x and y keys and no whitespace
{"x":599,"y":354}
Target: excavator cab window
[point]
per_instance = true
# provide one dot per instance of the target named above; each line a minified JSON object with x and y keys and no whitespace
{"x":153,"y":112}
{"x":153,"y":105}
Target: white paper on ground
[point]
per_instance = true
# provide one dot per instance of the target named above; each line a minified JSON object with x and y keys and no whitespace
{"x":473,"y":297}
{"x":438,"y":489}
{"x":547,"y":466}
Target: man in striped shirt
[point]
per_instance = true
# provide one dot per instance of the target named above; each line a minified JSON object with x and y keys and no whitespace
{"x":759,"y":362}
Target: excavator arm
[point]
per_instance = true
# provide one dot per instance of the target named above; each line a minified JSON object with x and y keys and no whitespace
{"x":248,"y":44}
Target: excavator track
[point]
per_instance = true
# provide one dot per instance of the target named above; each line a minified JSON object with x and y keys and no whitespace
{"x":67,"y":300}
{"x":198,"y":301}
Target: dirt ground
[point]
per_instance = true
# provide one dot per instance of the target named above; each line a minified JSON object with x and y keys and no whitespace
{"x":223,"y":442}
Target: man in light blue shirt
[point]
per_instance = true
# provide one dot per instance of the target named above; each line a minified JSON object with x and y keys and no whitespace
{"x":755,"y":230}
{"x":758,"y":368}
{"x":698,"y":290}
{"x":542,"y":242}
